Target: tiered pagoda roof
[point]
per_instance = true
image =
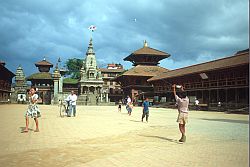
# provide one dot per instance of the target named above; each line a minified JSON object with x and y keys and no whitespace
{"x":146,"y":56}
{"x":44,"y":68}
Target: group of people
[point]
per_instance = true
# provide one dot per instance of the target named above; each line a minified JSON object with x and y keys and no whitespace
{"x":182,"y":102}
{"x":181,"y":98}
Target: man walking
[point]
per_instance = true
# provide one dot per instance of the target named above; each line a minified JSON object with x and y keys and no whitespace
{"x":182,"y":103}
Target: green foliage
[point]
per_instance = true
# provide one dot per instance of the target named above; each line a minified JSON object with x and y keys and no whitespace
{"x":74,"y":66}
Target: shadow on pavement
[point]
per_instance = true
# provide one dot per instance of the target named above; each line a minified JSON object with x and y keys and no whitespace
{"x":22,"y":129}
{"x":227,"y":120}
{"x":134,"y":121}
{"x":163,"y":138}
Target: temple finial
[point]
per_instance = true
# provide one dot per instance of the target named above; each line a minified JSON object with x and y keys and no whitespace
{"x":145,"y":44}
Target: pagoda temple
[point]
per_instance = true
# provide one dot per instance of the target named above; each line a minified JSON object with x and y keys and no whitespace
{"x":43,"y":81}
{"x":145,"y":60}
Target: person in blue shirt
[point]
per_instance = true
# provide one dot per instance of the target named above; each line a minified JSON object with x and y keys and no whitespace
{"x":145,"y":111}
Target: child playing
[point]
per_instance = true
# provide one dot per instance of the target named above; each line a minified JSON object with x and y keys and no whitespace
{"x":145,"y":111}
{"x":33,"y":110}
{"x":182,"y":102}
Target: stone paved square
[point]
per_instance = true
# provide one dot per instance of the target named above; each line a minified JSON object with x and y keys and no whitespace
{"x":101,"y":136}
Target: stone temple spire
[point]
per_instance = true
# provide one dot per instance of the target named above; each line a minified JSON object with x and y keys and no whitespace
{"x":20,"y":77}
{"x":90,"y":60}
{"x":90,"y":48}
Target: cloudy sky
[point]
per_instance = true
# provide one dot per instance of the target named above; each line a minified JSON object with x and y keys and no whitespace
{"x":191,"y":31}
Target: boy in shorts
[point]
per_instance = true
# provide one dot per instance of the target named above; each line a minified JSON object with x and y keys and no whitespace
{"x":145,"y":110}
{"x":182,"y":102}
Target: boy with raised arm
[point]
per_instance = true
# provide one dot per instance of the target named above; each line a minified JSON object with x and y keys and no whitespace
{"x":182,"y":102}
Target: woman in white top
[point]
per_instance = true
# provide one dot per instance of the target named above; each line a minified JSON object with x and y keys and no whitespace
{"x":33,"y":110}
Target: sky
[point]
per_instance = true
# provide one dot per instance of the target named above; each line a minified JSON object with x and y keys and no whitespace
{"x":192,"y":31}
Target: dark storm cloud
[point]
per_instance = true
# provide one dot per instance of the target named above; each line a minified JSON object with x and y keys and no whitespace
{"x":191,"y":31}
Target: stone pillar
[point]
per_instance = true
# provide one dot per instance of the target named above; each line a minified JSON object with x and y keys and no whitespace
{"x":56,"y":87}
{"x":107,"y":97}
{"x":56,"y":76}
{"x":101,"y":97}
{"x":61,"y":84}
{"x":81,"y":90}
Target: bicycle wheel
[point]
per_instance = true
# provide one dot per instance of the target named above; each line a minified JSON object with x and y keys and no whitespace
{"x":62,"y":111}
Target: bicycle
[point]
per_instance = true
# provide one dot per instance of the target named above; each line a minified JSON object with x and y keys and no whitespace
{"x":64,"y":108}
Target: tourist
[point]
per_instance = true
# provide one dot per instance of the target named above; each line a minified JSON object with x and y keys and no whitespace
{"x":119,"y":106}
{"x":130,"y":108}
{"x":196,"y":103}
{"x":97,"y":99}
{"x":33,"y":110}
{"x":128,"y":103}
{"x":219,"y":106}
{"x":71,"y":99}
{"x":145,"y":110}
{"x":182,"y":101}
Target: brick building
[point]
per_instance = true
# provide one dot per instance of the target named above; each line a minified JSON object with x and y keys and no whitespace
{"x":224,"y":80}
{"x":109,"y":85}
{"x":5,"y":83}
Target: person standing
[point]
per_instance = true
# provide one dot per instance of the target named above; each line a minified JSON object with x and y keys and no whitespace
{"x":196,"y":103}
{"x":182,"y":102}
{"x":72,"y":103}
{"x":128,"y":104}
{"x":130,"y":108}
{"x":33,"y":110}
{"x":119,"y":106}
{"x":145,"y":110}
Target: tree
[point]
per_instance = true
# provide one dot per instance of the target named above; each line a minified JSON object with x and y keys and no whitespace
{"x":74,"y":65}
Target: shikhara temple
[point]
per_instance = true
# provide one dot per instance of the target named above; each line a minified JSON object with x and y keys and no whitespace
{"x":224,"y":81}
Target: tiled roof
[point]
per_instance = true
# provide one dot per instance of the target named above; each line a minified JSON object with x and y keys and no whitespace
{"x":111,"y":70}
{"x":70,"y":81}
{"x":43,"y":63}
{"x":2,"y":63}
{"x":141,"y":70}
{"x":40,"y":75}
{"x":5,"y":72}
{"x":237,"y":59}
{"x":147,"y":51}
